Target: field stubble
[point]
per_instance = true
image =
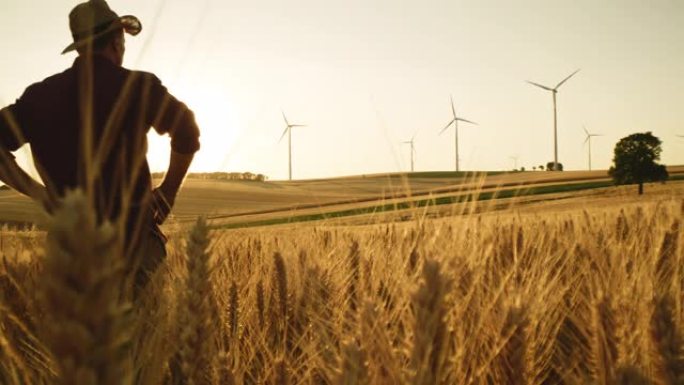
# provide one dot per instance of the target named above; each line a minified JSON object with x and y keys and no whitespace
{"x":587,"y":297}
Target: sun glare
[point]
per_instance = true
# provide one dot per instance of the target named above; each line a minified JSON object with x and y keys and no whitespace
{"x":218,"y":120}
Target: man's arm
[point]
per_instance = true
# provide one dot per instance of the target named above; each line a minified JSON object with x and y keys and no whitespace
{"x":178,"y":168}
{"x":15,"y":177}
{"x":170,"y":116}
{"x":12,"y":136}
{"x":164,"y":196}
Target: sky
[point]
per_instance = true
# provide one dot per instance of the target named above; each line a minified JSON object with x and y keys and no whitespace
{"x":367,"y":75}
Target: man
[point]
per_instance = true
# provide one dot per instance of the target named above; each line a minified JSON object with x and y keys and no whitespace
{"x":87,"y":129}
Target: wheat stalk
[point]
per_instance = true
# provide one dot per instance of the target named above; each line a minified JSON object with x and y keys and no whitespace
{"x":603,"y":354}
{"x":354,"y":277}
{"x":281,"y":372}
{"x":278,"y":311}
{"x":87,"y":326}
{"x":430,"y":350}
{"x":667,"y":262}
{"x":630,"y":375}
{"x":233,"y":310}
{"x":669,"y":342}
{"x":280,"y":281}
{"x":260,"y":303}
{"x":198,"y":350}
{"x":515,"y":354}
{"x":352,"y":366}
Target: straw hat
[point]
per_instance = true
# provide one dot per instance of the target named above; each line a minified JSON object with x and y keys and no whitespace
{"x":93,"y":19}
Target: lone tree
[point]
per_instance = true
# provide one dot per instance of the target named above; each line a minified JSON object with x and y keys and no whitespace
{"x":550,"y":166}
{"x":635,"y":159}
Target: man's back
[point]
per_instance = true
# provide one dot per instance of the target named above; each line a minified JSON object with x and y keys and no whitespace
{"x":87,"y":128}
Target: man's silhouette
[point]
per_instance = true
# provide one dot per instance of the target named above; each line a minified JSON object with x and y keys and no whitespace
{"x":87,"y":129}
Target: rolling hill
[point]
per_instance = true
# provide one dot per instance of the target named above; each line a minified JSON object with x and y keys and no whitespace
{"x":235,"y":203}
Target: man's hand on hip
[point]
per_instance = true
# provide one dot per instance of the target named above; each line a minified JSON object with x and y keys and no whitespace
{"x":161,"y":205}
{"x":164,"y":196}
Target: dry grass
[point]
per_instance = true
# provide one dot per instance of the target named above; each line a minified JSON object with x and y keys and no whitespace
{"x":583,"y":297}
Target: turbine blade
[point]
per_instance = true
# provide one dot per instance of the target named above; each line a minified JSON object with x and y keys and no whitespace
{"x":466,"y":120}
{"x":585,"y":130}
{"x":283,"y":135}
{"x":566,"y":79}
{"x":297,"y":125}
{"x":447,"y":126}
{"x":284,"y":118}
{"x":540,"y":86}
{"x":453,"y":109}
{"x":587,"y":139}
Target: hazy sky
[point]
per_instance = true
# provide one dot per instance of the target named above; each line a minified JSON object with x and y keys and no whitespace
{"x":365,"y":75}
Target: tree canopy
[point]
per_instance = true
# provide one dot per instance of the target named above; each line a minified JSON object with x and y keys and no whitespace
{"x":550,"y":166}
{"x":635,"y":160}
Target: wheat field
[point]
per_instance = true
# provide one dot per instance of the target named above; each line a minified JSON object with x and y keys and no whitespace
{"x":593,"y":296}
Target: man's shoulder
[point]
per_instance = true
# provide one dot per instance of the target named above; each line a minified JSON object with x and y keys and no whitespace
{"x":57,"y":83}
{"x":50,"y":83}
{"x":142,"y":75}
{"x":58,"y":76}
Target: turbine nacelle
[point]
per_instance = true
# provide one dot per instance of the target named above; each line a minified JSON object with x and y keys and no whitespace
{"x":455,"y":118}
{"x":411,"y":143}
{"x":288,"y":126}
{"x":554,"y":89}
{"x":589,"y":135}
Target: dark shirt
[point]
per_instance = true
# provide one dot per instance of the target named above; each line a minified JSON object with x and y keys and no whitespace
{"x":109,"y":107}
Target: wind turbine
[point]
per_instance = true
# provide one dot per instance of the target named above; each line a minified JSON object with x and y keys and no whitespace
{"x":455,"y":121}
{"x":588,"y":140}
{"x":413,"y":149}
{"x":554,"y":91}
{"x":288,"y":131}
{"x":680,"y":136}
{"x":515,"y":161}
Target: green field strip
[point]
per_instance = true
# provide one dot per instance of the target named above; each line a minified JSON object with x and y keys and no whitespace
{"x":389,"y":207}
{"x":435,"y":191}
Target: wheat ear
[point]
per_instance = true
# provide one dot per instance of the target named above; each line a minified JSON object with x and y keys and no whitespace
{"x":87,"y":325}
{"x":429,"y":354}
{"x":668,"y":341}
{"x":198,"y":350}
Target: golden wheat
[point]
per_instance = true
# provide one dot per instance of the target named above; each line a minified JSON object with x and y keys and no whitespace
{"x":87,"y":326}
{"x":591,"y":296}
{"x":197,"y":351}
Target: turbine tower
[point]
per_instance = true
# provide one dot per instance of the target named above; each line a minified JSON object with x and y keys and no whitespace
{"x":588,"y":140}
{"x":455,"y":121}
{"x":288,"y":131}
{"x":554,"y":91}
{"x":413,"y":149}
{"x":515,"y":161}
